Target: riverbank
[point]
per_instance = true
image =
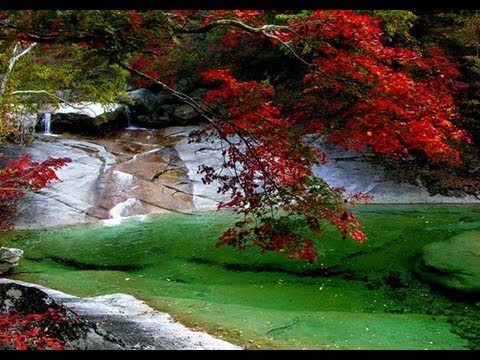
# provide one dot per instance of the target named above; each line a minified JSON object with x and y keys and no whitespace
{"x":133,"y":322}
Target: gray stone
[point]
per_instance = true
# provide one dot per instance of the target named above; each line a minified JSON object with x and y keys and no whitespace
{"x":76,"y":333}
{"x":9,"y":258}
{"x":10,"y":255}
{"x":453,"y":264}
{"x":63,"y":202}
{"x":186,"y":114}
{"x":133,"y":322}
{"x":144,"y":101}
{"x":205,"y":197}
{"x":352,"y":171}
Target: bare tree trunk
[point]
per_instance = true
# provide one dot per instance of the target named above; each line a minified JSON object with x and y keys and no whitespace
{"x":17,"y":53}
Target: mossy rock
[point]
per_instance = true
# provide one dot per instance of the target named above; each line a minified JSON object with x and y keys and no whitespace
{"x":453,"y":264}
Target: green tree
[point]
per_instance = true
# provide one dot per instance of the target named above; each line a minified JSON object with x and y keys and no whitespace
{"x":38,"y":75}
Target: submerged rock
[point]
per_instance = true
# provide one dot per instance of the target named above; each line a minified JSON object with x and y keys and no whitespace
{"x":9,"y":258}
{"x":453,"y":264}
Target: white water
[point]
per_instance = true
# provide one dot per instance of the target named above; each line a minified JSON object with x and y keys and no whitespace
{"x":130,"y":126}
{"x":123,"y":180}
{"x":47,"y":123}
{"x":119,"y":212}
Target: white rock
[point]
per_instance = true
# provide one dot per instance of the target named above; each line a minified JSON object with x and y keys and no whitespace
{"x":138,"y":319}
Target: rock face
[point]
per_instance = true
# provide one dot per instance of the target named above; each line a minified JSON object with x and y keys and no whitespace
{"x":149,"y":178}
{"x":132,"y":322}
{"x":159,"y":110}
{"x":352,"y":171}
{"x":63,"y":202}
{"x":76,"y":333}
{"x":453,"y":264}
{"x":9,"y":258}
{"x":193,"y":155}
{"x":86,"y":118}
{"x":156,"y":171}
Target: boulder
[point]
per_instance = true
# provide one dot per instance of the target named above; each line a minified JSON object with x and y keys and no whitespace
{"x":9,"y":258}
{"x":187,"y":85}
{"x":453,"y":264}
{"x":74,"y":332}
{"x":144,"y":101}
{"x":185,"y":114}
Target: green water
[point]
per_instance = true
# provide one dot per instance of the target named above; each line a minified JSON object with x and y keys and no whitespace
{"x":357,"y":296}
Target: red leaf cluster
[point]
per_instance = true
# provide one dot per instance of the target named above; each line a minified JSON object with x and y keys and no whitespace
{"x":26,"y":331}
{"x":25,"y":174}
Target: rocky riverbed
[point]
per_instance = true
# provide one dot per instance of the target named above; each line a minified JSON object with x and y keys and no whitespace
{"x":139,"y":172}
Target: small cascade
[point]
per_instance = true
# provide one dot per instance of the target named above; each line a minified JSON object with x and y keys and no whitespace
{"x":128,"y":114}
{"x":120,"y":212}
{"x":123,"y":180}
{"x":130,"y":126}
{"x":47,"y":123}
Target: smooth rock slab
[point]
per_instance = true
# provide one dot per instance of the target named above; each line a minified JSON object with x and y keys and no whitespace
{"x":453,"y":264}
{"x":134,"y":322}
{"x":76,"y":333}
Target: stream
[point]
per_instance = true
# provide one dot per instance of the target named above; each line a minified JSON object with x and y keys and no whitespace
{"x":356,"y":296}
{"x":131,"y":215}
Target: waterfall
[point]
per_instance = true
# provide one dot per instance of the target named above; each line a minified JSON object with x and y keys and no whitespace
{"x":47,"y":123}
{"x":130,"y":126}
{"x":128,"y":114}
{"x":123,"y":180}
{"x":121,"y":211}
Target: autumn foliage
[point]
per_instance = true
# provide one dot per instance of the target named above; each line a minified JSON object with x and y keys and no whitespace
{"x":23,"y":174}
{"x":19,"y":331}
{"x":356,"y":92}
{"x":348,"y":86}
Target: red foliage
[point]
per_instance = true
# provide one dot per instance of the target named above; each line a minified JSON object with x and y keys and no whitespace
{"x":357,"y":92}
{"x":25,"y":174}
{"x":25,"y":332}
{"x":354,"y":90}
{"x":269,"y":163}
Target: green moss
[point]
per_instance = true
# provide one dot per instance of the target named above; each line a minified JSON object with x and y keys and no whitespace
{"x":355,"y":296}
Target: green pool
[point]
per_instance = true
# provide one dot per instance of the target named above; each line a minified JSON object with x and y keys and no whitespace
{"x":357,"y":296}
